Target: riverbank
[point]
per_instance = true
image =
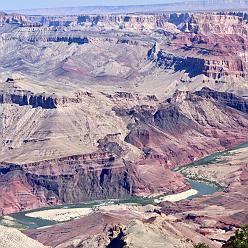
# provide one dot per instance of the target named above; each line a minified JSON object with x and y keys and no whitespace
{"x":200,"y":186}
{"x":39,"y":218}
{"x":177,"y":197}
{"x":44,"y":217}
{"x":61,"y":215}
{"x":220,"y":169}
{"x":66,"y":214}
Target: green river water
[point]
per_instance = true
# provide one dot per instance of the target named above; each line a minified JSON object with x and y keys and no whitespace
{"x":21,"y":221}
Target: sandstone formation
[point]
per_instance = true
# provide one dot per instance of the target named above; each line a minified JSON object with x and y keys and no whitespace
{"x":65,"y":180}
{"x":12,"y":19}
{"x":81,"y":86}
{"x":11,"y":94}
{"x":211,"y":44}
{"x":210,"y":219}
{"x":213,"y":54}
{"x":225,"y":98}
{"x":185,"y":115}
{"x":153,"y":138}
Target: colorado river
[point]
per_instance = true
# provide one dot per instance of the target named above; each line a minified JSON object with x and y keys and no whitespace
{"x":20,"y":220}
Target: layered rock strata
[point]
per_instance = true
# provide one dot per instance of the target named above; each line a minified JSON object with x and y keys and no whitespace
{"x":11,"y":94}
{"x":226,"y":98}
{"x":76,"y":179}
{"x":159,"y":136}
{"x":214,"y":45}
{"x":186,"y":116}
{"x":72,"y":179}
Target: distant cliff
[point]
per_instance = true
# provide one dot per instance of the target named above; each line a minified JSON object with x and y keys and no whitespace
{"x":214,"y":45}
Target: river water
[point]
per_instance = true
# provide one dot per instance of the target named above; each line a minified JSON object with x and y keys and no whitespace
{"x":22,"y":221}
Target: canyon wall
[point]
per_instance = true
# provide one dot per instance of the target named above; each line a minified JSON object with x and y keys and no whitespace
{"x":24,"y":98}
{"x":43,"y":100}
{"x":211,"y":44}
{"x":131,"y":21}
{"x":214,"y":45}
{"x":123,"y":56}
{"x":216,"y":24}
{"x":65,"y":180}
{"x":226,"y":98}
{"x":159,"y":136}
{"x":11,"y":94}
{"x":12,"y":19}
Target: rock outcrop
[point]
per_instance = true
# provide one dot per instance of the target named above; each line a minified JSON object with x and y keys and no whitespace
{"x":24,"y":98}
{"x":187,"y":116}
{"x":225,"y":98}
{"x":12,"y":19}
{"x":214,"y":45}
{"x":75,"y":179}
{"x":133,"y":227}
{"x":69,"y":40}
{"x":126,"y":22}
{"x":210,"y":219}
{"x":129,"y":116}
{"x":193,"y":66}
{"x":212,"y":67}
{"x":192,"y":44}
{"x":66,"y":180}
{"x":11,"y":94}
{"x":222,"y":24}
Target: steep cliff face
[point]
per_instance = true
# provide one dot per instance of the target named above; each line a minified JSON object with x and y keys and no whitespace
{"x":212,"y":67}
{"x":18,"y":194}
{"x":148,"y":136}
{"x":218,"y":68}
{"x":74,"y":54}
{"x":172,"y":130}
{"x":225,"y":98}
{"x":70,"y":40}
{"x":137,"y":22}
{"x":216,"y":24}
{"x":46,"y":34}
{"x":179,"y":18}
{"x":12,"y":19}
{"x":12,"y":94}
{"x":192,"y":65}
{"x":45,"y":101}
{"x":158,"y":137}
{"x":131,"y":21}
{"x":53,"y":20}
{"x":89,"y":125}
{"x":214,"y":45}
{"x":75,"y":179}
{"x":24,"y":98}
{"x":66,"y":180}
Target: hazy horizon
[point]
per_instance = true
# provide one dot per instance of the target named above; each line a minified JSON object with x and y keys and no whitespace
{"x":33,"y":4}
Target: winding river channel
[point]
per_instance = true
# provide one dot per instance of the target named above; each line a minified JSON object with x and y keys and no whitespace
{"x":22,"y":221}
